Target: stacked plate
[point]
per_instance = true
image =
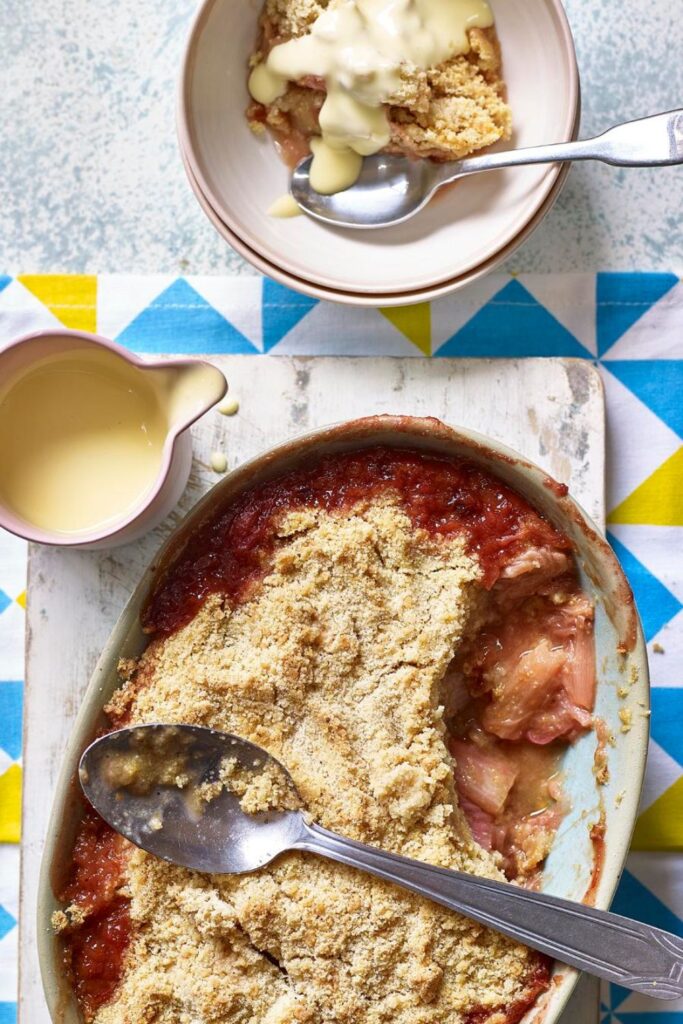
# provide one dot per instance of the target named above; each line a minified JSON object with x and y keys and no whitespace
{"x":464,"y":232}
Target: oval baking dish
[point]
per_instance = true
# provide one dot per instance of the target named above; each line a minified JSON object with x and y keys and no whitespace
{"x":590,"y":848}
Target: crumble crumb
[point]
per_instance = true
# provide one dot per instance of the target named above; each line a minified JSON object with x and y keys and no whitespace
{"x":71,"y":917}
{"x":264,"y":789}
{"x":600,"y":760}
{"x":126,"y":669}
{"x":626,"y":719}
{"x":658,"y":649}
{"x":601,"y":769}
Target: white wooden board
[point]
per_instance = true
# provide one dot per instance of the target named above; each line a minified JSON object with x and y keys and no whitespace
{"x":550,"y":410}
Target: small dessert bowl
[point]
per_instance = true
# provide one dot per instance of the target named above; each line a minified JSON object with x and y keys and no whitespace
{"x":465,"y":231}
{"x":170,"y":393}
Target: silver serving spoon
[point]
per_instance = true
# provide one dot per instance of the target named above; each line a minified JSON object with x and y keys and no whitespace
{"x":221,"y":838}
{"x":392,"y":189}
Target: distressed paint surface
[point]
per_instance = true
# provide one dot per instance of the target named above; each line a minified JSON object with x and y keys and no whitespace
{"x":550,"y":410}
{"x":90,"y":176}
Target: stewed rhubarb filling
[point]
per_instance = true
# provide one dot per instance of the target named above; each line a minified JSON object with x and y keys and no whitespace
{"x":97,"y":918}
{"x":518,"y":691}
{"x":409,"y":636}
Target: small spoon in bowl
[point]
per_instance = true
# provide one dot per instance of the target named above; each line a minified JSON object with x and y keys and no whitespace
{"x":391,"y":189}
{"x":179,"y":792}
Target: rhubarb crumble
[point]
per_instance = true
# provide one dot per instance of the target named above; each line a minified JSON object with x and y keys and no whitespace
{"x":347,"y":78}
{"x":409,"y":638}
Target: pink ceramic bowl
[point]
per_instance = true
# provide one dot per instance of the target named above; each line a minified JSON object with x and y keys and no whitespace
{"x":461,"y":235}
{"x":185,"y":390}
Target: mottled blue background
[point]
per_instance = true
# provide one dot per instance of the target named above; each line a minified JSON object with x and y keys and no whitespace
{"x":90,"y":179}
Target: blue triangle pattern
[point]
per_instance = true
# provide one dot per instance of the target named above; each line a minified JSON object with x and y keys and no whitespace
{"x":282,"y":309}
{"x":513,"y":324}
{"x":618,"y":995}
{"x":8,"y":1013}
{"x":7,"y":922}
{"x":667,"y":1017}
{"x":657,"y":383}
{"x":11,"y":700}
{"x":634,"y":899}
{"x":667,"y":715}
{"x":4,"y":281}
{"x":622,"y":298}
{"x":5,"y":601}
{"x":656,"y":604}
{"x":164,"y":326}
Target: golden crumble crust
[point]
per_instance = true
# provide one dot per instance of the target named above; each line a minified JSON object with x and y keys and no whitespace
{"x":465,"y":109}
{"x":444,"y":113}
{"x":334,"y":665}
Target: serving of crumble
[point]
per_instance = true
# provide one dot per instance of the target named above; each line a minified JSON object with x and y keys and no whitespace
{"x":421,"y":78}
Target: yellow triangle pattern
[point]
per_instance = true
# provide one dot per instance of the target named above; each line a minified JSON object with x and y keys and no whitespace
{"x":414,"y":322}
{"x":21,"y":599}
{"x":660,"y":827}
{"x":10,"y":805}
{"x":659,"y":499}
{"x":72,"y":298}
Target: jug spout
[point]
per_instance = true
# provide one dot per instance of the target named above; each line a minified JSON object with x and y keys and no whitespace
{"x":187,"y":389}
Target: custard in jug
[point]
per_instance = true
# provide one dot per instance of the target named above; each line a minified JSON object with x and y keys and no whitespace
{"x":81,"y":441}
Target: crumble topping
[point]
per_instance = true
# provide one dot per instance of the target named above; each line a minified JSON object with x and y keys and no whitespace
{"x":333,"y":664}
{"x":460,"y":107}
{"x":265,"y":788}
{"x":445,"y":112}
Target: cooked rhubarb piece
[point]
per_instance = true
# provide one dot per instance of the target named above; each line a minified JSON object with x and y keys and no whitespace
{"x":483,"y":776}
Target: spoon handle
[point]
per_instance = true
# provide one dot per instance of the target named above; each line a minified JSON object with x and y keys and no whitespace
{"x":615,"y":948}
{"x":655,"y":141}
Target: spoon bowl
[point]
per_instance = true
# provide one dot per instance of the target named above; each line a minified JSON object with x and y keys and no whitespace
{"x":389,"y":189}
{"x":167,"y":819}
